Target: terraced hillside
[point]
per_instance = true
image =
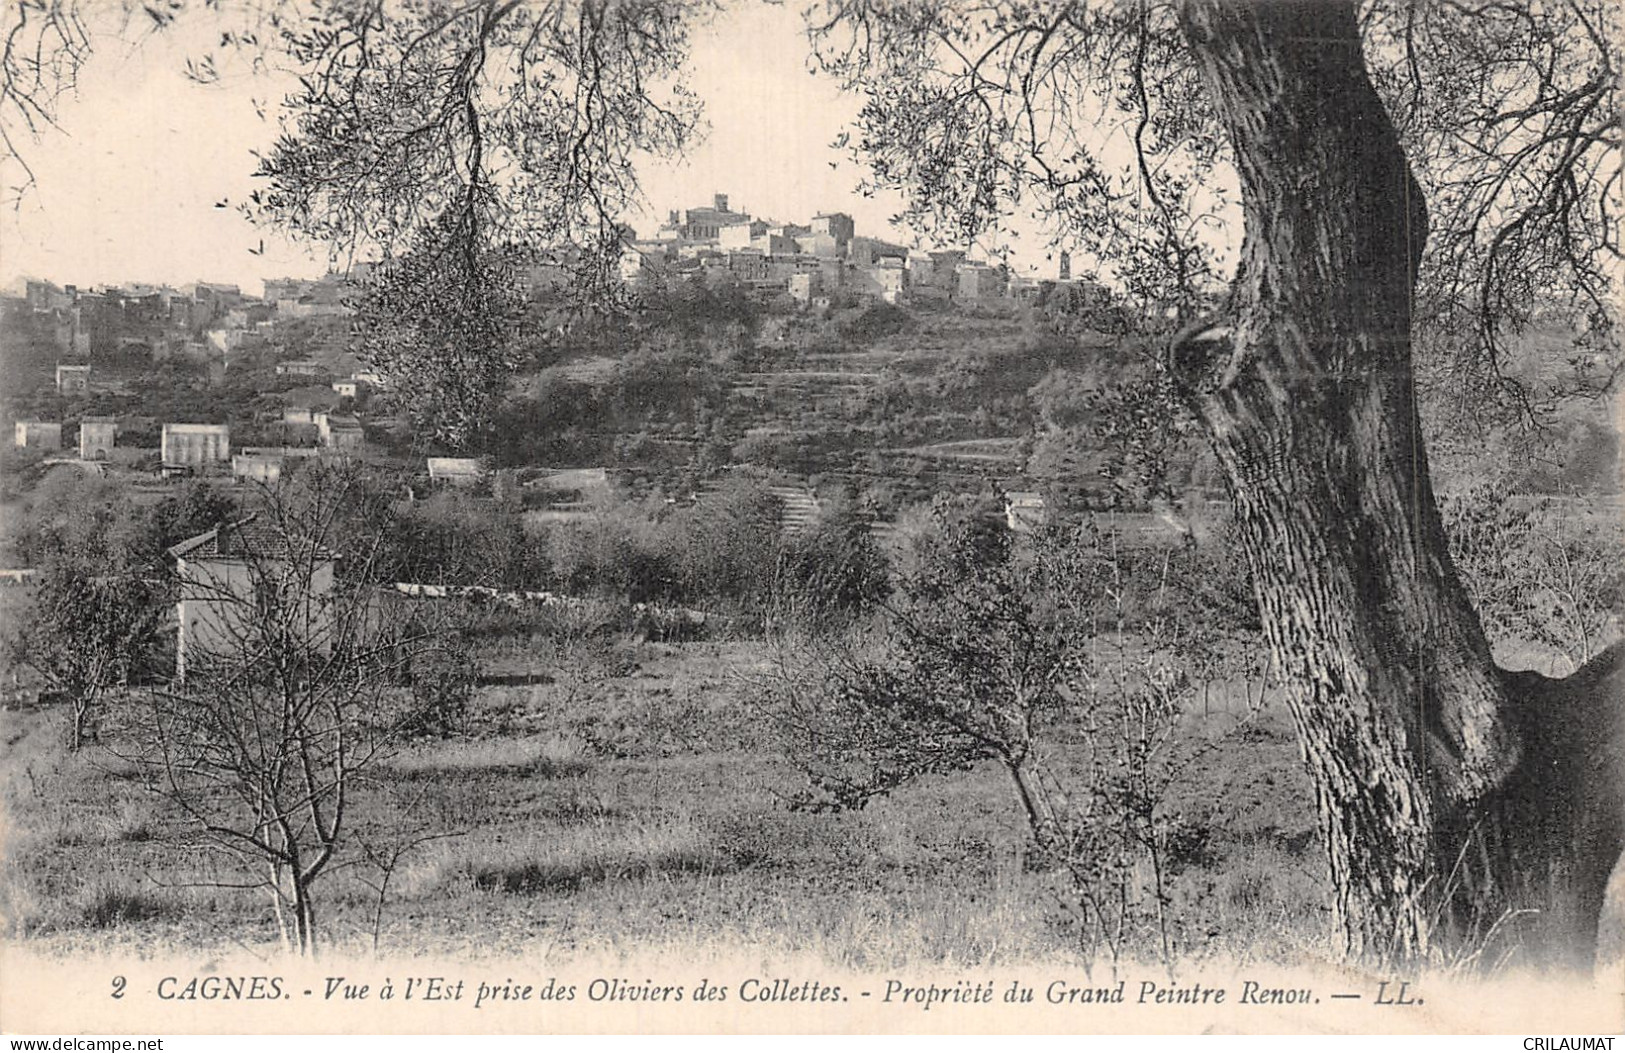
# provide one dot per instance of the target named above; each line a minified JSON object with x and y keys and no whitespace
{"x":911,"y":399}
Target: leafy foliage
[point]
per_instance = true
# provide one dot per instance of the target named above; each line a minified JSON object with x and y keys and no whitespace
{"x":444,"y":324}
{"x":1539,"y":571}
{"x":495,"y":121}
{"x":873,"y":322}
{"x":90,"y":525}
{"x":443,"y":682}
{"x":192,"y":508}
{"x":1510,"y":116}
{"x":833,"y":572}
{"x":1003,"y":649}
{"x":1092,"y":115}
{"x":86,"y":636}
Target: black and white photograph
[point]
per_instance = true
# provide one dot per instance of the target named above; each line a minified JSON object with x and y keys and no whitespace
{"x":812,"y":516}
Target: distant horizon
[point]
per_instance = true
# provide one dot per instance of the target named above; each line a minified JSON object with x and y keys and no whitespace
{"x":142,"y":183}
{"x":14,"y":283}
{"x":651,"y":222}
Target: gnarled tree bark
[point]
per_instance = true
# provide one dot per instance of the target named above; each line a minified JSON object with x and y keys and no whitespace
{"x":1451,"y":795}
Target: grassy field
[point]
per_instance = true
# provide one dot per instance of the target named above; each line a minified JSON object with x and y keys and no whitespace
{"x":630,"y":799}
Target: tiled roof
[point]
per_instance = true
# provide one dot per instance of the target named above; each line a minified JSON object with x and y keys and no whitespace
{"x":244,"y":539}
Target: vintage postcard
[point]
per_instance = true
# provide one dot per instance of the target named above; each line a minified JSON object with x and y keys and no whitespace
{"x":825,"y":517}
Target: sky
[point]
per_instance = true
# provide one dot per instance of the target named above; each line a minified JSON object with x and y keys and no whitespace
{"x":128,"y":188}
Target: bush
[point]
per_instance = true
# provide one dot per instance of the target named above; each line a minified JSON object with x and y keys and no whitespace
{"x":93,"y":526}
{"x":86,"y":638}
{"x":725,"y":553}
{"x":442,"y":686}
{"x":875,"y":321}
{"x":833,"y":572}
{"x":725,"y":545}
{"x":463,"y":540}
{"x":619,"y":553}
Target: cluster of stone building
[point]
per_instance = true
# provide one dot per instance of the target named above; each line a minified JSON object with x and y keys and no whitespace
{"x":207,"y":322}
{"x":202,"y":322}
{"x":211,"y":322}
{"x":809,"y":262}
{"x":190,"y":448}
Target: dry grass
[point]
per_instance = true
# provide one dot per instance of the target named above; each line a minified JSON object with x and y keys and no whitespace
{"x":548,"y":758}
{"x":565,"y":860}
{"x":582,"y":836}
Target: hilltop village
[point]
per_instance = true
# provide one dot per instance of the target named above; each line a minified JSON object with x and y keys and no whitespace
{"x":834,"y":357}
{"x":810,"y":262}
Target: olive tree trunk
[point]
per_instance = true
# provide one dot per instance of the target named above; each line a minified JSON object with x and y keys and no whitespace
{"x":1449,"y":793}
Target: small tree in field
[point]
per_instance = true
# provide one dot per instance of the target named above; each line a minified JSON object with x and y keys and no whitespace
{"x":1063,"y":660}
{"x":86,"y":637}
{"x":284,"y":703}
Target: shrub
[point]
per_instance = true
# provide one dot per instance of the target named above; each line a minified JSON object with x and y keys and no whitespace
{"x":618,"y":553}
{"x":875,"y":321}
{"x":442,"y":686}
{"x":726,"y":544}
{"x":108,"y":905}
{"x":86,"y":637}
{"x":831,"y":573}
